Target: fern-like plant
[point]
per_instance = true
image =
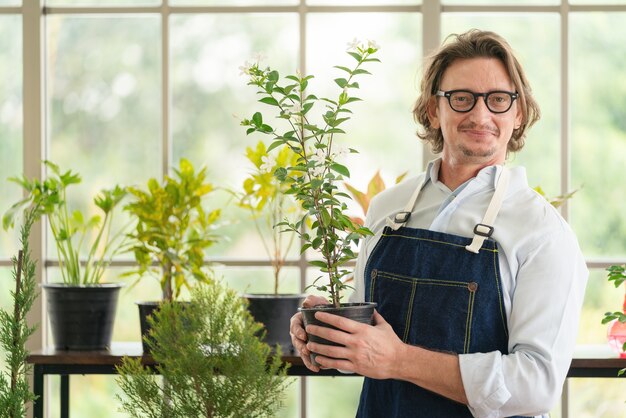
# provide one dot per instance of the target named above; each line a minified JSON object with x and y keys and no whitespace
{"x":210,"y":363}
{"x":15,"y":331}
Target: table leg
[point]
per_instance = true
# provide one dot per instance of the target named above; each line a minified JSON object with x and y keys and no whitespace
{"x":38,"y":403}
{"x":65,"y":396}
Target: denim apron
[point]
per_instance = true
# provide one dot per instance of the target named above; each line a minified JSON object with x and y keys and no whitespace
{"x":438,"y":291}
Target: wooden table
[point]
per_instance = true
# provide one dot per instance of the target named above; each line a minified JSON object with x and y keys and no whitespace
{"x":589,"y":361}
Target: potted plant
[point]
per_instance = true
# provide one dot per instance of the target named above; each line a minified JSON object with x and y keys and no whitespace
{"x":171,"y":233}
{"x":363,"y":198}
{"x":211,"y":362}
{"x":617,"y":320}
{"x":81,"y":308}
{"x":314,"y":179}
{"x":14,"y":329}
{"x":263,"y":195}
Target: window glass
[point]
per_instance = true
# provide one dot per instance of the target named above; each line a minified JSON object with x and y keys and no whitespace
{"x":538,"y":52}
{"x":341,"y":395}
{"x":601,"y":296}
{"x":210,"y":96}
{"x":233,"y":2}
{"x":104,"y":92}
{"x":363,"y":2}
{"x":598,"y":131}
{"x":11,"y":125}
{"x":500,"y":2}
{"x":593,"y":2}
{"x":258,"y":279}
{"x":101,"y":3}
{"x":381,"y":127}
{"x":591,"y":398}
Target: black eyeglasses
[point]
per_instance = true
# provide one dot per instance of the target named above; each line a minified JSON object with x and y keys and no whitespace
{"x":464,"y":100}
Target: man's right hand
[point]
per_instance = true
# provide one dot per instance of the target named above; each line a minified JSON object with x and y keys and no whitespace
{"x":298,"y":334}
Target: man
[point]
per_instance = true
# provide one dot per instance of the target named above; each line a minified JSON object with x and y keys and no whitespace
{"x":479,"y":281}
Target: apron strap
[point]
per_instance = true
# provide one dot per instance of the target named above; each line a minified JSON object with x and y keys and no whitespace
{"x":401,"y":218}
{"x":484,"y":229}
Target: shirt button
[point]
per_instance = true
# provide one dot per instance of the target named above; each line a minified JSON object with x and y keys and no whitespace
{"x":373,"y":274}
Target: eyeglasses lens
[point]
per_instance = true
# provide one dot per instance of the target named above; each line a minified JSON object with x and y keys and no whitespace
{"x":496,"y":102}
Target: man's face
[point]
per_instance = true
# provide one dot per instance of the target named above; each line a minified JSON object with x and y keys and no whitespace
{"x":478,"y":136}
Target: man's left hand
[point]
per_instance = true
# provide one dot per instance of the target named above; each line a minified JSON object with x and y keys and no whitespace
{"x":369,"y":350}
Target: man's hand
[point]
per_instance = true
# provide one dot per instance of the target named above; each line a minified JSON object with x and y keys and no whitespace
{"x":368,"y":350}
{"x":298,"y":334}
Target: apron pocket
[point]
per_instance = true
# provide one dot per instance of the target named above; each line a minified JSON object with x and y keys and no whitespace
{"x":432,"y":313}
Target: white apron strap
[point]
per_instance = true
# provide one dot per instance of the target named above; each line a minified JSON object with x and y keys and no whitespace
{"x":401,"y":218}
{"x":484,"y":230}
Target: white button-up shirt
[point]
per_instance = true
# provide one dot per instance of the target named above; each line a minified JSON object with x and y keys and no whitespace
{"x":543,"y":277}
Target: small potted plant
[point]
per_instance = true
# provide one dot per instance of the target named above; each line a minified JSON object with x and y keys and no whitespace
{"x":171,"y":233}
{"x":314,"y":179}
{"x":617,"y":320}
{"x":210,"y":362}
{"x":265,"y":197}
{"x":82,"y":307}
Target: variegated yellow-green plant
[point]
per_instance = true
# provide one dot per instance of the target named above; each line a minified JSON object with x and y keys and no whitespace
{"x":173,"y":228}
{"x":265,"y":197}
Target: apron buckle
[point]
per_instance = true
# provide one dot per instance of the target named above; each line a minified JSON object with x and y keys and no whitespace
{"x":483,"y":230}
{"x":401,"y":217}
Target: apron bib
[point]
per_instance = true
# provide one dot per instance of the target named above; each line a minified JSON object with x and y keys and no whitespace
{"x":441,"y":292}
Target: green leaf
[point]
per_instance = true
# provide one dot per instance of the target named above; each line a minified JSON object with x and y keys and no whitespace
{"x":341,"y":169}
{"x":269,"y":100}
{"x":341,"y":82}
{"x":346,"y":69}
{"x":356,"y":56}
{"x":317,"y":263}
{"x":257,"y":118}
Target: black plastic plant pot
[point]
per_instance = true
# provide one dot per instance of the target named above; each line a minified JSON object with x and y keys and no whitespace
{"x":82,"y":317}
{"x":360,"y":312}
{"x":146,"y":309}
{"x":275,"y":312}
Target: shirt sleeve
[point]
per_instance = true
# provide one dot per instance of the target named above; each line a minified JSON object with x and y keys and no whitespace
{"x":543,"y":324}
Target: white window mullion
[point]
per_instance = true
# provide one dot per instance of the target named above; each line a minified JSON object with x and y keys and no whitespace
{"x":565,"y":110}
{"x":166,"y":152}
{"x":34,"y":134}
{"x":431,"y":38}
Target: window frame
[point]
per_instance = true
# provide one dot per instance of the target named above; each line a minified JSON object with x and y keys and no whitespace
{"x":35,"y":133}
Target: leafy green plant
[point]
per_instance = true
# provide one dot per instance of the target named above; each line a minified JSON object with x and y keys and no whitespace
{"x":555,"y":201}
{"x":617,"y":275}
{"x":313,"y":179}
{"x":70,"y":229}
{"x":363,"y":198}
{"x":265,"y":197}
{"x":172,"y":229}
{"x":15,"y":331}
{"x":211,"y":362}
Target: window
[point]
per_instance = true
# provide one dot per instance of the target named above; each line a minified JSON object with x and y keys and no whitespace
{"x":133,"y":86}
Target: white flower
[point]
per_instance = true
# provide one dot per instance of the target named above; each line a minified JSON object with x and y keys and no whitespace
{"x":317,"y":171}
{"x":267,"y":163}
{"x":295,"y":107}
{"x":372,"y":44}
{"x":319,"y":157}
{"x":258,"y":57}
{"x":245,"y":68}
{"x":352,"y":46}
{"x":341,"y":152}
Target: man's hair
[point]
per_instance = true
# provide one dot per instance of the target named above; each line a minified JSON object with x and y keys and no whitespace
{"x":474,"y":44}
